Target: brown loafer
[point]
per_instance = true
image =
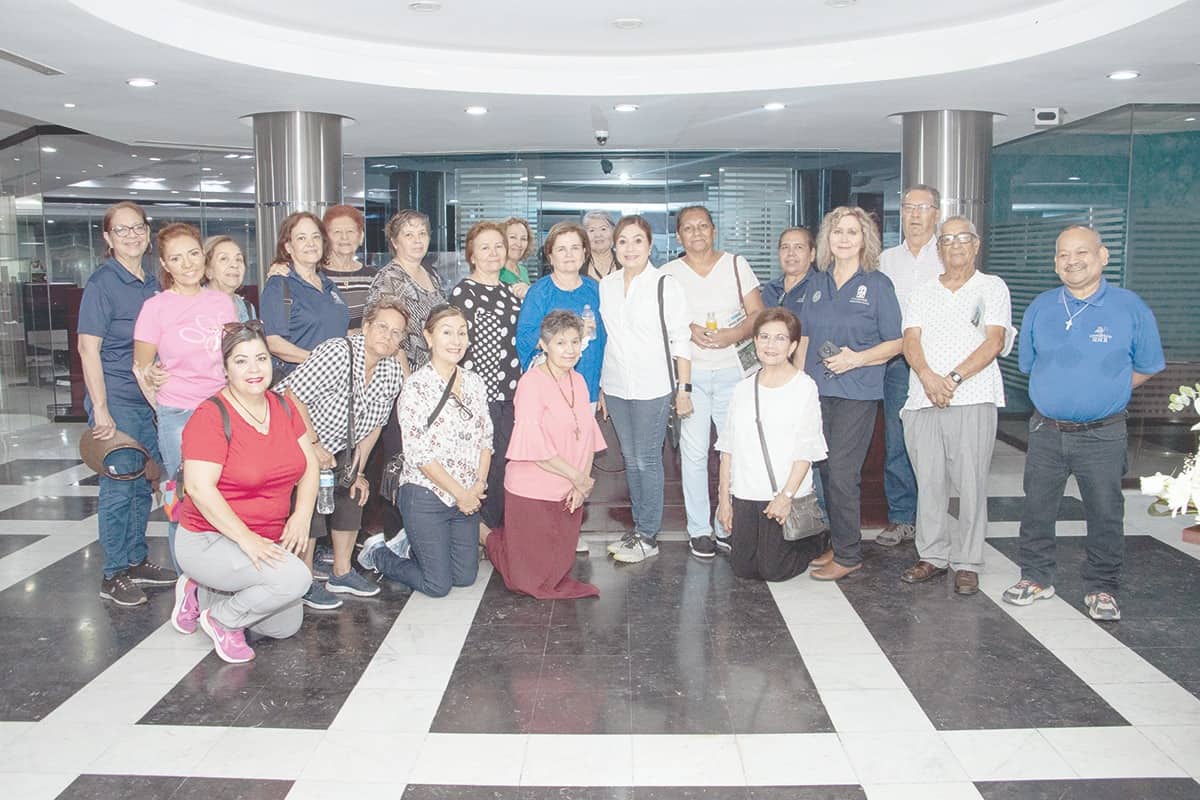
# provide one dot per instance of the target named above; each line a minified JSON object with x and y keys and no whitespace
{"x":966,"y":582}
{"x":833,"y":571}
{"x":822,"y":559}
{"x":922,"y":571}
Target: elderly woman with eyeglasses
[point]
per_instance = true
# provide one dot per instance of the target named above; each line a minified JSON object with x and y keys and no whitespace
{"x":353,"y":378}
{"x":112,"y":300}
{"x":180,"y":327}
{"x":443,"y":413}
{"x":245,"y":451}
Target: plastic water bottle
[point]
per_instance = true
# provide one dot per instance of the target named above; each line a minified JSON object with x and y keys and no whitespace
{"x":589,"y":323}
{"x":325,"y":493}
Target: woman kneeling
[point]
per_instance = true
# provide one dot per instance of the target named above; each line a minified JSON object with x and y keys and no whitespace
{"x":752,"y":504}
{"x":244,"y":450}
{"x":549,"y":470}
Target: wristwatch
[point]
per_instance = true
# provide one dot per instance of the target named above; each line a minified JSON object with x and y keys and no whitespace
{"x":787,"y":494}
{"x":954,"y":376}
{"x":687,"y":387}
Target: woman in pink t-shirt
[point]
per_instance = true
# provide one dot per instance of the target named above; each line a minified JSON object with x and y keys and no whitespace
{"x":180,"y":328}
{"x":554,"y":438}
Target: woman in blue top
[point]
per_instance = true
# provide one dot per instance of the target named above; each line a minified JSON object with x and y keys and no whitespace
{"x":111,"y":303}
{"x":851,"y":325}
{"x":566,"y":249}
{"x":305,"y":308}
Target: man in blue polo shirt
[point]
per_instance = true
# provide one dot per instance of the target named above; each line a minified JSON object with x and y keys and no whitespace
{"x":1085,"y":346}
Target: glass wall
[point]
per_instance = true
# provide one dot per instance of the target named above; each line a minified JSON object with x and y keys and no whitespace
{"x":1133,"y":173}
{"x":753,"y":195}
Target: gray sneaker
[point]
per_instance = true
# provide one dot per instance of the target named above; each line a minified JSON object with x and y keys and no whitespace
{"x":1102,"y":606}
{"x":636,"y":550}
{"x":121,"y":589}
{"x":320,"y":598}
{"x":626,"y":538}
{"x":148,"y":573}
{"x":1025,"y":592}
{"x":351,"y":583}
{"x":895,"y":533}
{"x":400,"y":545}
{"x":371,"y":545}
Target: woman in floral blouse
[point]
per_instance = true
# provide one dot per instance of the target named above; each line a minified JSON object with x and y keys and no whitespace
{"x":443,"y":413}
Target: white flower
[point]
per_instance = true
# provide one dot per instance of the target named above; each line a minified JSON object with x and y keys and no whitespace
{"x":1154,"y":484}
{"x":1178,"y":495}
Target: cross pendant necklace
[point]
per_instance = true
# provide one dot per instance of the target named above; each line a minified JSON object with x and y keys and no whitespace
{"x":570,"y":403}
{"x":1071,"y":317}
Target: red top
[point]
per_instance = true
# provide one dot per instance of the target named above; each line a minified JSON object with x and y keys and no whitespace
{"x":258,"y":472}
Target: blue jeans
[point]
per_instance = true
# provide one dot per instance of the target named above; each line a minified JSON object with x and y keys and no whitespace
{"x":445,"y":545}
{"x":170,"y":445}
{"x":899,"y":482}
{"x":712,"y":390}
{"x":124,"y":507}
{"x":641,"y":427}
{"x":1097,"y":458}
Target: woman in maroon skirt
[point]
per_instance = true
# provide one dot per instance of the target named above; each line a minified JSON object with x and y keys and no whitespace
{"x":548,"y":477}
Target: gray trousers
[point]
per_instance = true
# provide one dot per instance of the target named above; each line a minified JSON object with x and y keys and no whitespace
{"x":237,"y":595}
{"x":951,"y":453}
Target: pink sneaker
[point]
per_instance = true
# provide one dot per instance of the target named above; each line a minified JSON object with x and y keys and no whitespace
{"x":230,"y":642}
{"x":187,"y":606}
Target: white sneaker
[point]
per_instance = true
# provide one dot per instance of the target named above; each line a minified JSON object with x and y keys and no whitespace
{"x":366,"y":555}
{"x":615,"y":547}
{"x":400,"y":545}
{"x":636,"y":550}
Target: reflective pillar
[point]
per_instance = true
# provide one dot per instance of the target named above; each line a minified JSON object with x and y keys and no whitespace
{"x":297,"y":167}
{"x":950,"y":150}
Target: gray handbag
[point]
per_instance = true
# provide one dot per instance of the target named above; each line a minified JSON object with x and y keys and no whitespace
{"x":804,"y":519}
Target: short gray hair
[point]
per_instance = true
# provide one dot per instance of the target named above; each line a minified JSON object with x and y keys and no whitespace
{"x":923,"y":187}
{"x":597,"y":214}
{"x":558,"y":321}
{"x":958,"y":218}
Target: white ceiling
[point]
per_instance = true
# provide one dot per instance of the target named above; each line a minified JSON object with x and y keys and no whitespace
{"x":221,"y":59}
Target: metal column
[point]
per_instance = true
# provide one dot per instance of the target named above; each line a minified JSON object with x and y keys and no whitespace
{"x":950,"y":150}
{"x":297,"y":167}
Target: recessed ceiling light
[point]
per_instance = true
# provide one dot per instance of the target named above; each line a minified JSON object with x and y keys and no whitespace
{"x":247,"y":155}
{"x":774,"y":106}
{"x":133,"y":155}
{"x":535,"y":177}
{"x":133,"y":192}
{"x":524,"y":178}
{"x":101,"y":166}
{"x":174,"y":191}
{"x":83,"y":172}
{"x":1123,"y":75}
{"x":1189,"y":119}
{"x":68,"y":105}
{"x":627,"y":23}
{"x":425,"y":6}
{"x":476,"y":111}
{"x":155,"y":158}
{"x":625,"y":108}
{"x":206,"y":169}
{"x":231,"y":155}
{"x":142,"y":83}
{"x":840,"y":3}
{"x":704,"y":175}
{"x":34,"y":183}
{"x":1074,"y":178}
{"x":58,"y":177}
{"x":16,"y":158}
{"x":49,"y":149}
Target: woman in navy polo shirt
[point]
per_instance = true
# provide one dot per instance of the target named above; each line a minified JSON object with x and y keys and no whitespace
{"x":305,"y":308}
{"x":111,"y":303}
{"x":851,"y":324}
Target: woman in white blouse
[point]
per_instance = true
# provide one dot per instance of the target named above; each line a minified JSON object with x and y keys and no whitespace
{"x":637,"y":382}
{"x":790,"y":412}
{"x":443,"y":414}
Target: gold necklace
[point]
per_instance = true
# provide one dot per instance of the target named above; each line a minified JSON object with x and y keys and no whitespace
{"x":260,"y":422}
{"x":570,"y":403}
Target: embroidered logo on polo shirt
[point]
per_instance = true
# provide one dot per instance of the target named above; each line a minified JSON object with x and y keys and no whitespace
{"x":860,"y":296}
{"x":816,"y":295}
{"x":1100,"y":335}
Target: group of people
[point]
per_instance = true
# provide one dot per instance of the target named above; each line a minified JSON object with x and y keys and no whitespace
{"x":485,"y":401}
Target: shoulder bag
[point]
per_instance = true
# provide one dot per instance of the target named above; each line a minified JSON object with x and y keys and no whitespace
{"x":345,"y":470}
{"x":672,"y":415}
{"x":804,"y":519}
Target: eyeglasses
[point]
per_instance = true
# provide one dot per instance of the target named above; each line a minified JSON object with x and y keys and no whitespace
{"x":125,"y":231}
{"x":463,"y":412}
{"x":779,"y":338}
{"x":961,"y":238}
{"x":252,"y":325}
{"x":383,"y":329}
{"x":916,"y":208}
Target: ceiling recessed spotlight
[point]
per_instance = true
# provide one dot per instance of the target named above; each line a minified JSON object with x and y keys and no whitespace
{"x":155,"y":158}
{"x":704,"y":175}
{"x":840,"y":3}
{"x":34,"y":183}
{"x":133,"y":192}
{"x":1123,"y":75}
{"x":425,"y":6}
{"x":174,"y":191}
{"x":142,"y":83}
{"x":16,"y":158}
{"x":133,"y":155}
{"x":49,"y":149}
{"x":1074,"y":178}
{"x":524,"y":178}
{"x":101,"y":166}
{"x":774,"y":106}
{"x":206,"y":169}
{"x":627,"y":23}
{"x":83,"y":172}
{"x":231,"y":155}
{"x":1189,"y":119}
{"x":476,"y":111}
{"x":539,"y":177}
{"x":625,"y":108}
{"x":68,"y":105}
{"x":58,"y":177}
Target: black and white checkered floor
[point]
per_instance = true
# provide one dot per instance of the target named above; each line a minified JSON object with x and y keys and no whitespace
{"x":678,"y":682}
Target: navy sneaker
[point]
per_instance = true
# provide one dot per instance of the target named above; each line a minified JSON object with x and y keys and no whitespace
{"x":702,"y":546}
{"x":320,"y":598}
{"x":351,"y":583}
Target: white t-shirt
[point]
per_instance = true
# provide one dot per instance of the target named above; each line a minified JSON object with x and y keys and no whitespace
{"x":716,"y":292}
{"x":908,"y":271}
{"x":953,"y":325}
{"x":791,"y":418}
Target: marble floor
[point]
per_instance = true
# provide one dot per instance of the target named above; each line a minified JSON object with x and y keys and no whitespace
{"x":679,"y":681}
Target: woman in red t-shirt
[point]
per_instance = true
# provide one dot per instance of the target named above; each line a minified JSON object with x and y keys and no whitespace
{"x":238,"y":540}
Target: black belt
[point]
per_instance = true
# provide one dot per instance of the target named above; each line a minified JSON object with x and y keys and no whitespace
{"x":1076,"y":427}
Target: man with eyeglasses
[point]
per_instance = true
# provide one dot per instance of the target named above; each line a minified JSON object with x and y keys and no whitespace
{"x":1086,"y":346}
{"x":954,"y":329}
{"x":915,"y":261}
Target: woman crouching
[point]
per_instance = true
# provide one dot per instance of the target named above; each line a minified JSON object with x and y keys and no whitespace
{"x":244,"y":450}
{"x":554,"y":439}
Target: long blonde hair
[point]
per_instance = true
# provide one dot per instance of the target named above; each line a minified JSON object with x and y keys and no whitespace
{"x":868,"y":257}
